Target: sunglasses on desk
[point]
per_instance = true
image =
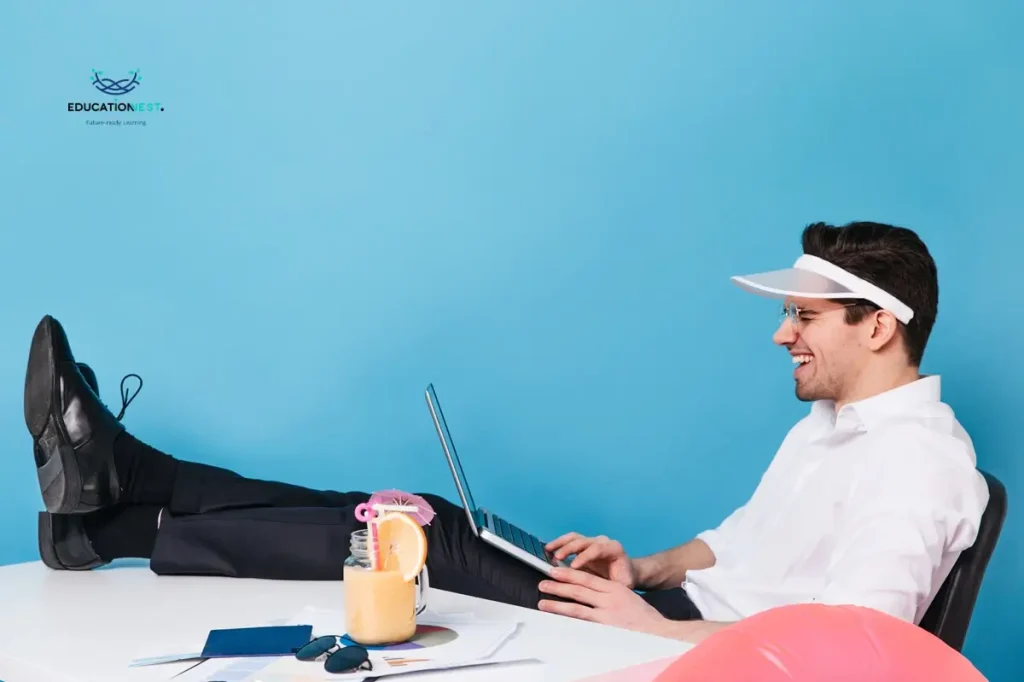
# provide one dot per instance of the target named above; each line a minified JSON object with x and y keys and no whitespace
{"x":336,"y":658}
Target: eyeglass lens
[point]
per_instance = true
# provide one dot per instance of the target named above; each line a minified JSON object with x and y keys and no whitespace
{"x":316,"y":648}
{"x":343,"y":659}
{"x":346,"y":659}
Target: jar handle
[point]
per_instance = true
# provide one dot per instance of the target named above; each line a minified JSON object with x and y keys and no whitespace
{"x":423,"y":583}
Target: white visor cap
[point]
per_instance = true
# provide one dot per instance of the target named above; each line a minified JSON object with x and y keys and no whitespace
{"x":813,"y":277}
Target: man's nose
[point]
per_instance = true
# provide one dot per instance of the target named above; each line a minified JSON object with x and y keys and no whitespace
{"x":786,"y":333}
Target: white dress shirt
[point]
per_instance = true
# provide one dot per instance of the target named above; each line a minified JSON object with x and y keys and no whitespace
{"x":869,"y":506}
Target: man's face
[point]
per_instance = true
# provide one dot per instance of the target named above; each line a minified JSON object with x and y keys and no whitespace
{"x":828,"y":353}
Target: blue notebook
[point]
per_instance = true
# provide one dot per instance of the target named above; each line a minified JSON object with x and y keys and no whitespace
{"x":275,"y":640}
{"x":271,"y":640}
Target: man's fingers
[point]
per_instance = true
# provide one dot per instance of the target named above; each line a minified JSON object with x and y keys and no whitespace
{"x":576,"y":577}
{"x":573,"y":547}
{"x":578,"y":593}
{"x":590,"y":554}
{"x":559,"y":541}
{"x":566,"y":609}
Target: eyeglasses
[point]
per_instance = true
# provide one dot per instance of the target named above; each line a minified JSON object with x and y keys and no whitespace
{"x":337,"y":658}
{"x":799,"y":316}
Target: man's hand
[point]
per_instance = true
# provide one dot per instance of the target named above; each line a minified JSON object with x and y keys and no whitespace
{"x":601,"y":556}
{"x":601,"y":601}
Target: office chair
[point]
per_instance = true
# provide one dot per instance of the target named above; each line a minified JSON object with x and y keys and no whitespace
{"x":950,"y":613}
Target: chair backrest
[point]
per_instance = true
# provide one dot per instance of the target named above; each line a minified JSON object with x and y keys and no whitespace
{"x":950,"y":613}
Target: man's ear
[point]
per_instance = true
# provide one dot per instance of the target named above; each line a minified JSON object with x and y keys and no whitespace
{"x":883,"y":327}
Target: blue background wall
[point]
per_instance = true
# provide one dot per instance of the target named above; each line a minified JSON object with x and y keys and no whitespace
{"x":536,"y":205}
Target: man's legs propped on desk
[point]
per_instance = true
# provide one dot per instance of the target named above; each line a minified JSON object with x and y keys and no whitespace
{"x":105,"y":491}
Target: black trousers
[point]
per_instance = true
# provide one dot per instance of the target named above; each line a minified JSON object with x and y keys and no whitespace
{"x":223,"y":524}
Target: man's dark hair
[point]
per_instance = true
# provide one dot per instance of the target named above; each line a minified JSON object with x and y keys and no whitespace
{"x":892,"y":258}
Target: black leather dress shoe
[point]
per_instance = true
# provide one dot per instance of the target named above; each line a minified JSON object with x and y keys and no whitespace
{"x":90,"y":377}
{"x":73,"y":432}
{"x":64,"y":545}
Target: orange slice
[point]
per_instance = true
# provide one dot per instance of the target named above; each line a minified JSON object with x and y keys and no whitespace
{"x":403,"y":544}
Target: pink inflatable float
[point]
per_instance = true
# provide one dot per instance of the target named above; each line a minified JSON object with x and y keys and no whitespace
{"x":819,"y":643}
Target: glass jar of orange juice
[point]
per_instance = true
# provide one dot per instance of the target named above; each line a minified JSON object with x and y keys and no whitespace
{"x":384,"y":594}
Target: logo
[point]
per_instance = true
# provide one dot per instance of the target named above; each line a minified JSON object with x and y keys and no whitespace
{"x":108,"y":86}
{"x":119,"y":105}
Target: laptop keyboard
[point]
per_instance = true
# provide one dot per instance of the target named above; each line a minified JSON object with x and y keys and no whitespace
{"x":520,"y":538}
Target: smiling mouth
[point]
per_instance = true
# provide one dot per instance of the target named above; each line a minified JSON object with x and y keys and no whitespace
{"x":801,"y":360}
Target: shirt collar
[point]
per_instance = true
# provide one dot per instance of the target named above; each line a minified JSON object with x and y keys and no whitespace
{"x":871,"y":412}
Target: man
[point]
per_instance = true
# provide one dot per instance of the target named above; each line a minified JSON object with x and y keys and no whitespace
{"x":869,"y":500}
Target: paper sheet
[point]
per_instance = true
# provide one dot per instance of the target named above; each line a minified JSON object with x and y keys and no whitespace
{"x":287,"y":673}
{"x":442,"y":641}
{"x":233,"y":669}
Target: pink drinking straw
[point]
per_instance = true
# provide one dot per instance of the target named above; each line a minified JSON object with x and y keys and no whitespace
{"x":367,"y":515}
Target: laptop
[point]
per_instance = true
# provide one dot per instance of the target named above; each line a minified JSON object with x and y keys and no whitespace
{"x":487,"y":525}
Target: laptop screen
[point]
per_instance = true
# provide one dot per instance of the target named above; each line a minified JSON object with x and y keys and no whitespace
{"x":449,"y":447}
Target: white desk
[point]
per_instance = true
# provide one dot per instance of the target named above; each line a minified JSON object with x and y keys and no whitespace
{"x":63,"y":626}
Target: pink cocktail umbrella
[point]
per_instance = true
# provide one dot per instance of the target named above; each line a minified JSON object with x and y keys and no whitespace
{"x":413,"y":505}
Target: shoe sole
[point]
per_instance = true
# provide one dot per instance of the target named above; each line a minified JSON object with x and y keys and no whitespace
{"x":48,"y":548}
{"x":39,"y":389}
{"x":47,"y":552}
{"x":56,"y":476}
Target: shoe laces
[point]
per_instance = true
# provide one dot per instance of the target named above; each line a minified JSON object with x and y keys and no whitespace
{"x":125,"y":399}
